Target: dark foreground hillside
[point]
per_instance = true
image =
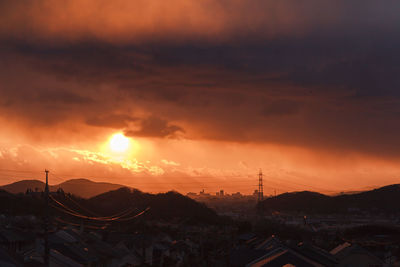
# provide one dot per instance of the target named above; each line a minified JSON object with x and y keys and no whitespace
{"x":164,"y":206}
{"x":170,"y":205}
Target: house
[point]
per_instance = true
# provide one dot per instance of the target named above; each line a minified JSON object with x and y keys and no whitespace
{"x":316,"y":254}
{"x":16,"y":241}
{"x":284,"y":257}
{"x":243,"y":256}
{"x":6,"y":260}
{"x":353,"y":255}
{"x":273,"y":252}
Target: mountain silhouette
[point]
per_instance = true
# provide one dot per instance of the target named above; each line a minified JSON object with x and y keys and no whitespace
{"x":384,"y":199}
{"x":170,"y":206}
{"x":165,"y":206}
{"x":80,"y":187}
{"x":23,"y":185}
{"x":86,"y":188}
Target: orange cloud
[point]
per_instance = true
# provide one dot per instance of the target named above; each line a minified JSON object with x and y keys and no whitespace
{"x":290,"y":86}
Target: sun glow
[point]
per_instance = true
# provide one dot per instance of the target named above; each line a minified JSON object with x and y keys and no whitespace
{"x":119,"y":143}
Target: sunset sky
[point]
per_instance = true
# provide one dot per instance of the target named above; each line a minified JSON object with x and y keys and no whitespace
{"x":206,"y":92}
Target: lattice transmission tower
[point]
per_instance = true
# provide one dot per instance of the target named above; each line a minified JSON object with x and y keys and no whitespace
{"x":260,"y":186}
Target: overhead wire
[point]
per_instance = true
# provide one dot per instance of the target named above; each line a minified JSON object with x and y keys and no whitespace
{"x":97,"y":219}
{"x":135,"y":216}
{"x":76,"y":215}
{"x":279,"y":183}
{"x":282,"y":183}
{"x":80,"y":206}
{"x":287,"y":183}
{"x":127,"y":211}
{"x":114,"y":217}
{"x":209,"y":184}
{"x":117,"y":215}
{"x":21,"y":171}
{"x":69,"y":211}
{"x":122,"y":213}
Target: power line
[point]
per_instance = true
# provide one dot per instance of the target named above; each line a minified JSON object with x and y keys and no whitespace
{"x":47,"y":219}
{"x":22,"y":171}
{"x":284,"y":183}
{"x":192,"y":182}
{"x":135,"y":216}
{"x":76,"y":214}
{"x":80,"y":206}
{"x":118,"y":219}
{"x":119,"y":214}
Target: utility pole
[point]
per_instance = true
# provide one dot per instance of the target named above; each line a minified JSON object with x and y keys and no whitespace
{"x":46,"y":221}
{"x":260,"y":186}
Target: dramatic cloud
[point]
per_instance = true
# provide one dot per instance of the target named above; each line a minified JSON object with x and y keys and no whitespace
{"x":316,"y":75}
{"x":117,"y":121}
{"x":155,"y":127}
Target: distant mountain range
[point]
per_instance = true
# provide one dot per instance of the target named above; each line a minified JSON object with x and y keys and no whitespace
{"x":80,"y":187}
{"x":170,"y":206}
{"x":384,"y":199}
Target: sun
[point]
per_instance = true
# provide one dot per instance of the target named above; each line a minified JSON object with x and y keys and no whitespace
{"x":119,"y":143}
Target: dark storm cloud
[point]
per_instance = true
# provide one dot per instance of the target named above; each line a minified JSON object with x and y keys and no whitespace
{"x":61,"y":97}
{"x":117,"y":121}
{"x":280,"y":108}
{"x":314,"y":73}
{"x":156,"y":127}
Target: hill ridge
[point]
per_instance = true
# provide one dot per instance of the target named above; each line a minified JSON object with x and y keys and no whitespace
{"x":385,"y":199}
{"x":81,"y":187}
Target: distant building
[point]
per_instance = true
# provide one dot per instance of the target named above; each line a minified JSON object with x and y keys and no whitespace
{"x":237,"y":195}
{"x":221,"y":193}
{"x":203,"y":193}
{"x":255,"y":194}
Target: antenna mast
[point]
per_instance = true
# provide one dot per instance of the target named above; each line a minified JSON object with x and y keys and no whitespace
{"x":46,"y":221}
